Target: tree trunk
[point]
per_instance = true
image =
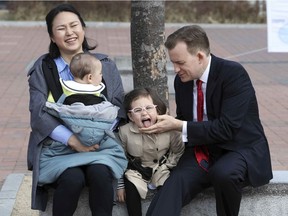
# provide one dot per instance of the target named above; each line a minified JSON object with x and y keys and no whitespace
{"x":147,"y":44}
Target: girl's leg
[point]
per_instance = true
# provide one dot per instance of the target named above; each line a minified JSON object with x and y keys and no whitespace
{"x":133,"y":199}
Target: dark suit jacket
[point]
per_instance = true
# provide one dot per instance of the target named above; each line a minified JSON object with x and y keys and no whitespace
{"x":233,"y":118}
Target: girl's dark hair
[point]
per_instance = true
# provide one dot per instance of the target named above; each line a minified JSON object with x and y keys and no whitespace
{"x":145,"y":92}
{"x":53,"y":48}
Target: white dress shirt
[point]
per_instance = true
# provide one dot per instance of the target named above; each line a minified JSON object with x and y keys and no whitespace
{"x":204,"y":79}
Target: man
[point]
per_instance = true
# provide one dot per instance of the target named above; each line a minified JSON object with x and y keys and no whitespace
{"x":226,"y":147}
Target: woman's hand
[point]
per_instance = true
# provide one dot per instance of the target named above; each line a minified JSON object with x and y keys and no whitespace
{"x":121,"y":195}
{"x":164,"y":123}
{"x":76,"y":145}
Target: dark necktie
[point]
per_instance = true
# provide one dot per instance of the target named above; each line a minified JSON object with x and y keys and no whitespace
{"x":201,"y":152}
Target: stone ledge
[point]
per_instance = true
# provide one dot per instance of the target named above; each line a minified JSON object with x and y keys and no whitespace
{"x":270,"y":199}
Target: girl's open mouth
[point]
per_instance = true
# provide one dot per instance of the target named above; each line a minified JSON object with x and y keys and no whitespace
{"x":146,"y":122}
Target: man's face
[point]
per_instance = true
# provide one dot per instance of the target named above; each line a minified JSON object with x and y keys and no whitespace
{"x":187,"y":66}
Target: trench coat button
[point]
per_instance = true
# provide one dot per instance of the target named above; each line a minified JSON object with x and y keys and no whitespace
{"x":155,"y":161}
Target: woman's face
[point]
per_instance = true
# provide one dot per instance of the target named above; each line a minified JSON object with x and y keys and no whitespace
{"x":146,"y":113}
{"x":68,"y":33}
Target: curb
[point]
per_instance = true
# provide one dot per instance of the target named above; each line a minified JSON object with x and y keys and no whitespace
{"x":8,"y":193}
{"x":7,"y":23}
{"x":12,"y":184}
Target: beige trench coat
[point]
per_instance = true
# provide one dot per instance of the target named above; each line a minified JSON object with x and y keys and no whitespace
{"x":150,"y":148}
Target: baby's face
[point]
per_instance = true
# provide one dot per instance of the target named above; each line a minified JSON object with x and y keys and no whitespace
{"x":96,"y":77}
{"x":143,"y":112}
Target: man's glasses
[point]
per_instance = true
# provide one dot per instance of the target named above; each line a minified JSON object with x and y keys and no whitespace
{"x":148,"y":108}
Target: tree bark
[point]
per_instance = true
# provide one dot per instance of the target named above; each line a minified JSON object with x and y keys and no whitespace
{"x":147,"y":44}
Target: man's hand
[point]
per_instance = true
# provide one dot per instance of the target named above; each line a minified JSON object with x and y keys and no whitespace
{"x":76,"y":145}
{"x":164,"y":123}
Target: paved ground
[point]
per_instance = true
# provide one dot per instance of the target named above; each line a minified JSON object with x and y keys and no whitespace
{"x":21,"y":44}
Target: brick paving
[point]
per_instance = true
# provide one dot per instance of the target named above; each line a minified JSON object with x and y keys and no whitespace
{"x":21,"y":44}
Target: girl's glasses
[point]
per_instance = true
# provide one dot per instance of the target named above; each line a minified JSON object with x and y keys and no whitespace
{"x":139,"y":110}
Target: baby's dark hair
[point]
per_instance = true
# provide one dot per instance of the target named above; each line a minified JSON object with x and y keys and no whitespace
{"x":145,"y":92}
{"x":82,"y":64}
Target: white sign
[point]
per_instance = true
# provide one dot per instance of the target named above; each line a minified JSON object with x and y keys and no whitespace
{"x":277,"y":25}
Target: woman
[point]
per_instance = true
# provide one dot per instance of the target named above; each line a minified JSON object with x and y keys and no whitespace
{"x":66,"y":29}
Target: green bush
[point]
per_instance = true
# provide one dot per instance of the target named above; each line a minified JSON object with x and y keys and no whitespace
{"x":175,"y":11}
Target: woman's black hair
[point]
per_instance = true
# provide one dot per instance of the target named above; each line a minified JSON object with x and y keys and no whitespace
{"x":145,"y":92}
{"x":53,"y":48}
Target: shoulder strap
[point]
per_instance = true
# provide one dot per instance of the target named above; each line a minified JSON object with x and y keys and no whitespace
{"x":52,"y":77}
{"x":61,"y":99}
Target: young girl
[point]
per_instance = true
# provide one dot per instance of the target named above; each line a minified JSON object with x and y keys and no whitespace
{"x":151,"y":157}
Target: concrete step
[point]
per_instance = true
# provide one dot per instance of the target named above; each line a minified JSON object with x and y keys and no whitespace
{"x":124,"y":66}
{"x":268,"y":200}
